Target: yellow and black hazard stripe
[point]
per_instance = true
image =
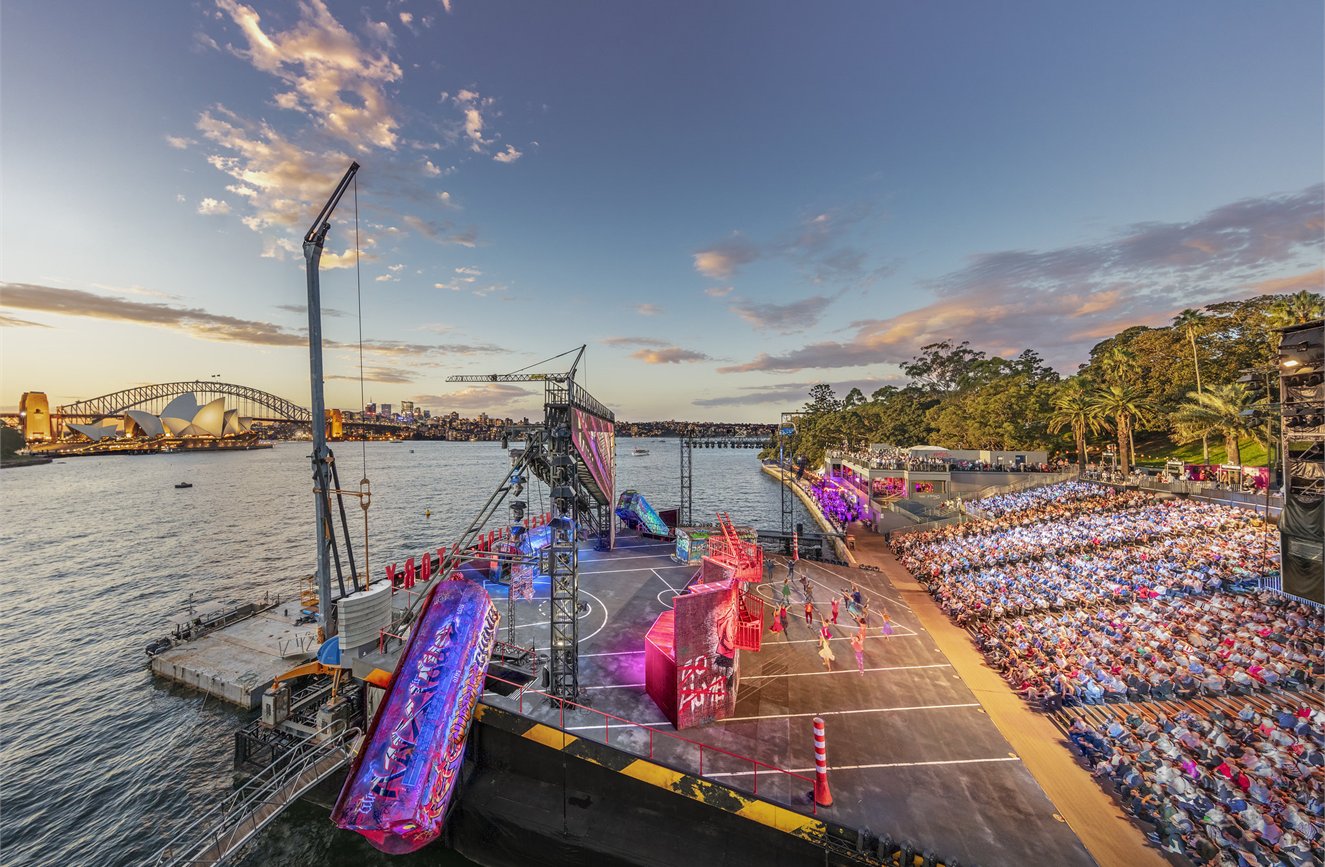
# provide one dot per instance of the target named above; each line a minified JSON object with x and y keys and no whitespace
{"x":687,"y":785}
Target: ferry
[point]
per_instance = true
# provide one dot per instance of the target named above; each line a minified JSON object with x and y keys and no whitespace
{"x":639,"y":451}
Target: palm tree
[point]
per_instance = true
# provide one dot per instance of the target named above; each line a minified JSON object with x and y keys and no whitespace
{"x":1119,"y":407}
{"x":1072,"y":409}
{"x":1189,"y":321}
{"x":1296,"y":309}
{"x":1118,"y":364}
{"x":1224,"y":411}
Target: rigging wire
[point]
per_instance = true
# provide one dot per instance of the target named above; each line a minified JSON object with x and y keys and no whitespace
{"x":544,"y":361}
{"x":365,"y":488}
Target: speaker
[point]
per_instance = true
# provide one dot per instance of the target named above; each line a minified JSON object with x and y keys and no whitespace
{"x":1302,"y":413}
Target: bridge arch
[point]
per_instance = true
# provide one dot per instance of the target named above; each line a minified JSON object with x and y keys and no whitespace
{"x":251,"y":402}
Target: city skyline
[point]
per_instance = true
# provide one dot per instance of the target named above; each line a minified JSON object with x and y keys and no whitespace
{"x":726,"y":204}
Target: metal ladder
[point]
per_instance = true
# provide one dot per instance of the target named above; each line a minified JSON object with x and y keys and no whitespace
{"x":216,"y":835}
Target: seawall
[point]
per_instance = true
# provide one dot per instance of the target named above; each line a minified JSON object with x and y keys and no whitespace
{"x":815,"y":512}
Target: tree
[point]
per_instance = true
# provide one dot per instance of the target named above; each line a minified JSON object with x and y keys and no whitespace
{"x":1119,"y":408}
{"x":1189,"y":321}
{"x":1072,"y":409}
{"x":1223,"y":410}
{"x":854,"y":397}
{"x":822,"y":400}
{"x":944,"y":368}
{"x":1296,"y":309}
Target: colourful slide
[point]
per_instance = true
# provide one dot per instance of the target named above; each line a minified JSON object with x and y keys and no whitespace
{"x":404,"y":775}
{"x":633,"y":508}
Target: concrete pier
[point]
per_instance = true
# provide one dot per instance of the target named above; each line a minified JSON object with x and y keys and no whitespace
{"x":237,"y":663}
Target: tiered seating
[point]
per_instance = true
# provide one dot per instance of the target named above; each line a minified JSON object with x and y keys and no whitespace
{"x":1137,"y":622}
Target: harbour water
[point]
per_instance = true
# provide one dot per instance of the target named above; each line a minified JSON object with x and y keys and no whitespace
{"x":100,"y":763}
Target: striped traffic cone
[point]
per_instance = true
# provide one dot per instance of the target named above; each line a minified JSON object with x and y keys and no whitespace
{"x":822,"y":796}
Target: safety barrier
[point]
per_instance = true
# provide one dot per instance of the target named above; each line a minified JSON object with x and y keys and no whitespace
{"x":689,"y":747}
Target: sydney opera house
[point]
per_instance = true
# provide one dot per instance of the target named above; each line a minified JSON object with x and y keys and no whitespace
{"x":182,"y":417}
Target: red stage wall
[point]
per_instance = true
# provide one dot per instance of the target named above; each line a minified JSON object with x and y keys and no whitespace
{"x":707,"y":670}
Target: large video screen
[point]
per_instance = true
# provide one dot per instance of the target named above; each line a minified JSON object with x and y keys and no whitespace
{"x":595,"y":439}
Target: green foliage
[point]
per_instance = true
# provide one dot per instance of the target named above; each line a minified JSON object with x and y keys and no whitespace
{"x":11,"y":440}
{"x":1139,"y":385}
{"x":1223,"y":410}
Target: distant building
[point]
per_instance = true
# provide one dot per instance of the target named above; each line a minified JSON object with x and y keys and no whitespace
{"x":34,"y":417}
{"x":370,"y":409}
{"x":182,"y":417}
{"x":427,"y":414}
{"x":407,"y":407}
{"x":386,"y":410}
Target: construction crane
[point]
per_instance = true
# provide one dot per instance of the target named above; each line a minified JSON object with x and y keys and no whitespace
{"x":521,"y":376}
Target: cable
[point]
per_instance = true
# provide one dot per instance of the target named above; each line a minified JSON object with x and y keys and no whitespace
{"x":544,"y":361}
{"x":358,"y":295}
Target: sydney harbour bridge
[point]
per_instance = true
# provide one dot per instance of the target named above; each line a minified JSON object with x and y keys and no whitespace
{"x":254,"y":403}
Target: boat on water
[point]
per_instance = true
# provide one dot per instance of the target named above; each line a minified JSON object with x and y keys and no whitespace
{"x":184,"y":484}
{"x":639,"y":451}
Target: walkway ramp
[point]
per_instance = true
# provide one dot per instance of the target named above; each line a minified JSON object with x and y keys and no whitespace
{"x":634,"y":509}
{"x":216,"y":835}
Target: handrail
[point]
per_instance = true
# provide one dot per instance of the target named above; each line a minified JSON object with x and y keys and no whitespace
{"x":208,"y":832}
{"x":608,"y":718}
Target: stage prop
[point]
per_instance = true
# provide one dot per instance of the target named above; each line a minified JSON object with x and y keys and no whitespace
{"x":401,"y":782}
{"x":632,"y":508}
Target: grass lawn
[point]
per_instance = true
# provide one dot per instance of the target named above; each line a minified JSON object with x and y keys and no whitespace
{"x":1153,"y":449}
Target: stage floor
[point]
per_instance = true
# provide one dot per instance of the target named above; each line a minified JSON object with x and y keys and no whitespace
{"x":910,"y":751}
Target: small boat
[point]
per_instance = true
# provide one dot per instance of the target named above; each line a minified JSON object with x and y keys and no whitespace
{"x":184,"y":484}
{"x":639,"y":451}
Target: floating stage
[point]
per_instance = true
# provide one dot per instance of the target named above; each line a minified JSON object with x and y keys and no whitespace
{"x":910,"y":752}
{"x":236,"y":663}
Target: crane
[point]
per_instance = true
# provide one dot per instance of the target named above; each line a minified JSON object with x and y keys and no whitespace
{"x":521,"y":376}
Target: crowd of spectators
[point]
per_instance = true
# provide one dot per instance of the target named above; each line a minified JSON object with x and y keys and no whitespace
{"x":895,"y":458}
{"x":1082,"y":595}
{"x":1218,"y":788}
{"x":1166,"y":648}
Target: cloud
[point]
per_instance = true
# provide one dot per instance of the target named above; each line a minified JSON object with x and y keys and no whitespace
{"x":302,"y":310}
{"x":1064,"y":300}
{"x":333,"y":80}
{"x":212,"y":206}
{"x":509,"y":155}
{"x":786,"y":318}
{"x":385,"y":278}
{"x":718,"y":291}
{"x":430,"y":169}
{"x":15,"y":322}
{"x":792,"y":393}
{"x":668,"y":355}
{"x":378,"y":374}
{"x":632,"y":341}
{"x":210,"y":326}
{"x":179,"y":142}
{"x":471,"y":106}
{"x":648,"y":309}
{"x":406,"y":18}
{"x":468,"y":272}
{"x":199,"y":323}
{"x":488,"y":395}
{"x":722,"y":260}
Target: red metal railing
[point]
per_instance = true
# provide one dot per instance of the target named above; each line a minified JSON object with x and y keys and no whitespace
{"x":689,"y":744}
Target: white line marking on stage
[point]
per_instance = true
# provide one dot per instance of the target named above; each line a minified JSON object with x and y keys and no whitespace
{"x":605,"y":617}
{"x":619,"y":726}
{"x":732,"y":719}
{"x":614,"y":653}
{"x":639,"y":569}
{"x":614,"y":558}
{"x":616,"y":686}
{"x":664,"y":580}
{"x":846,"y":671}
{"x":872,"y":767}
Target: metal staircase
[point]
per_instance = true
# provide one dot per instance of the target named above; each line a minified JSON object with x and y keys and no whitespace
{"x":216,"y":835}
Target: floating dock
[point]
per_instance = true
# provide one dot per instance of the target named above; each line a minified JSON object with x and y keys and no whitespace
{"x":238,"y":662}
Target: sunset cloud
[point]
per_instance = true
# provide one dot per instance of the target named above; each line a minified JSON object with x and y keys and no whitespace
{"x":793,"y":394}
{"x":648,"y":309}
{"x":332,"y":78}
{"x":786,"y":318}
{"x":487,"y":396}
{"x":668,"y":355}
{"x":723,"y":259}
{"x":1062,"y":301}
{"x":509,"y":155}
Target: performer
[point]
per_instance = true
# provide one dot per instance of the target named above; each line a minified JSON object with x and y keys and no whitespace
{"x":809,"y":613}
{"x":825,"y":651}
{"x":887,"y":627}
{"x":776,"y":625}
{"x":836,"y":604}
{"x":858,"y":645}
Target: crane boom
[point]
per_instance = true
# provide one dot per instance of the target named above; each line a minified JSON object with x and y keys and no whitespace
{"x":517,"y":376}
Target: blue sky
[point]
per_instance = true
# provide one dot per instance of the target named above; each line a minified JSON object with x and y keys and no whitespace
{"x":728,"y":202}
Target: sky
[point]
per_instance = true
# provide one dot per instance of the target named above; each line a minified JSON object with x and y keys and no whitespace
{"x":727,"y":202}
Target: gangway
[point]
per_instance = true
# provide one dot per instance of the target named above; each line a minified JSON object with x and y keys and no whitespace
{"x":216,"y":835}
